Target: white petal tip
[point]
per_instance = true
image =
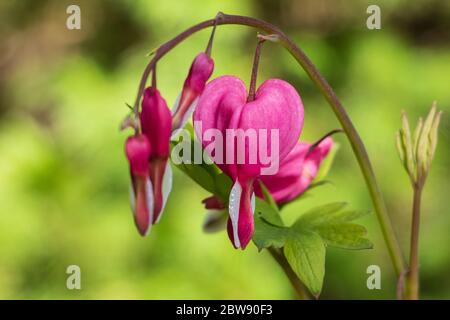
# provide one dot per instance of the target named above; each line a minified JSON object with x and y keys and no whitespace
{"x":233,"y":209}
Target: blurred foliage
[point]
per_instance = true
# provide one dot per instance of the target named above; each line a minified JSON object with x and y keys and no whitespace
{"x":64,"y":178}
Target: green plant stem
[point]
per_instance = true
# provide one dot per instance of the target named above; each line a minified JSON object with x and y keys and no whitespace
{"x":357,"y":145}
{"x":412,"y":279}
{"x":298,"y":286}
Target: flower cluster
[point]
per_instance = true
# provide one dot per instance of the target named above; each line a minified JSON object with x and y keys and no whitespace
{"x":224,"y":105}
{"x":148,"y":150}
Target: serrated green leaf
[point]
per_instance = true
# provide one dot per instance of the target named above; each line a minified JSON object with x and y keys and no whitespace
{"x":345,"y":236}
{"x":326,"y":164}
{"x":305,"y":252}
{"x":332,"y":224}
{"x":268,"y":235}
{"x":269,"y":228}
{"x":345,"y":216}
{"x":267,"y":212}
{"x":319,"y":215}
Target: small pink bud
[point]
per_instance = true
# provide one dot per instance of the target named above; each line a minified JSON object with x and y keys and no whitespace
{"x":199,"y":73}
{"x":201,"y":69}
{"x":156,"y":122}
{"x":137,"y":150}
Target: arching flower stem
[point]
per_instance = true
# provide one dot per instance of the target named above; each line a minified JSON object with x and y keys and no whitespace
{"x":355,"y":140}
{"x":252,"y":87}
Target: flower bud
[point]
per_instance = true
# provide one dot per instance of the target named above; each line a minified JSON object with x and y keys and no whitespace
{"x":137,"y":150}
{"x":417,"y":154}
{"x":156,"y":122}
{"x":201,"y":69}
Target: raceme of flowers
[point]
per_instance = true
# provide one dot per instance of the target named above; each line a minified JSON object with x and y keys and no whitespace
{"x":223,"y":104}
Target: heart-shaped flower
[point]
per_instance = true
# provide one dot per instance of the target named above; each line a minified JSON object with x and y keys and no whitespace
{"x":274,"y":119}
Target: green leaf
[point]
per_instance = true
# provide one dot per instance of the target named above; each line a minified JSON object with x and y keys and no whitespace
{"x":200,"y":175}
{"x":268,"y":235}
{"x":346,"y":216}
{"x":203,"y":174}
{"x":326,"y":164}
{"x":345,"y":236}
{"x":319,"y":215}
{"x":267,"y":212}
{"x":305,"y":252}
{"x":332,"y":224}
{"x":269,"y":228}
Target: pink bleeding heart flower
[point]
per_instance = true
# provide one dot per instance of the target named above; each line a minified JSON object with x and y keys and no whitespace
{"x":297,"y":171}
{"x":223,"y":106}
{"x":156,"y":124}
{"x":201,"y":69}
{"x":137,"y":150}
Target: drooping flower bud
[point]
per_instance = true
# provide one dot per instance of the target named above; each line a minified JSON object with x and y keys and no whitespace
{"x":156,"y":123}
{"x":201,"y":69}
{"x":137,"y":150}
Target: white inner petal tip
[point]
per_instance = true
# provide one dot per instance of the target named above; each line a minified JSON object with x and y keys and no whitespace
{"x":253,"y":202}
{"x":166,"y":187}
{"x":176,"y":104}
{"x":150,"y":202}
{"x":233,"y":209}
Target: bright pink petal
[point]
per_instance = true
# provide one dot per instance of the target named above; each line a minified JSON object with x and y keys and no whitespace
{"x":156,"y":122}
{"x":219,"y":108}
{"x":240,"y":225}
{"x":201,"y":69}
{"x":297,"y":171}
{"x":137,"y":149}
{"x":199,"y":73}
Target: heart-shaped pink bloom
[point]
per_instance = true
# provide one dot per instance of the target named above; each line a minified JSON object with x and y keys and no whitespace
{"x":201,"y":69}
{"x":156,"y":123}
{"x":137,"y":150}
{"x":223,"y":106}
{"x":297,"y":171}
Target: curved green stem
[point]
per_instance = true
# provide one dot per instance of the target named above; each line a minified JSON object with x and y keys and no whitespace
{"x":357,"y":145}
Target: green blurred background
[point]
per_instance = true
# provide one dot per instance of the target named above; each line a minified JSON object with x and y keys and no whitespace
{"x":64,"y":179}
